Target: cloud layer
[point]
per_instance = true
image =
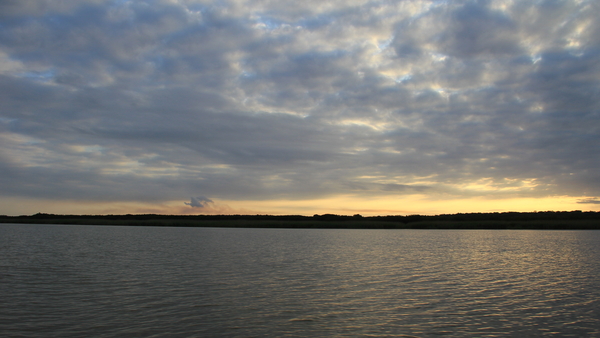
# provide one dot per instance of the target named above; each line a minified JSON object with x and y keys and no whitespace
{"x":155,"y":101}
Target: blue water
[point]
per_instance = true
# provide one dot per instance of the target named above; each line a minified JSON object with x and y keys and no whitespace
{"x":107,"y":281}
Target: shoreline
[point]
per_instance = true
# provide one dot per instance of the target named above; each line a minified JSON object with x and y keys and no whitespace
{"x":547,"y":220}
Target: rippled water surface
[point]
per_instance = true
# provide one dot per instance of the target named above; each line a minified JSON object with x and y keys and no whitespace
{"x":104,"y":281}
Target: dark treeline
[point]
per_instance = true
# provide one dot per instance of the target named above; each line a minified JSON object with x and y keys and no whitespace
{"x":498,"y":220}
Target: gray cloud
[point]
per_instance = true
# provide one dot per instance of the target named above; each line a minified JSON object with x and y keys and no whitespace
{"x":199,"y":202}
{"x":140,"y":101}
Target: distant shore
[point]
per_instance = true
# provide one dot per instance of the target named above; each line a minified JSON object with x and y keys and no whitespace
{"x":546,"y":220}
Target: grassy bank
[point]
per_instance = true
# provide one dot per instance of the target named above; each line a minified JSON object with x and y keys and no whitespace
{"x":572,"y":220}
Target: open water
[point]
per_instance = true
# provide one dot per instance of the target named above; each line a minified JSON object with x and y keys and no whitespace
{"x":108,"y":281}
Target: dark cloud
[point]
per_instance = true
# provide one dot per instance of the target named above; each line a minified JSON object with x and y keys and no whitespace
{"x":199,"y":202}
{"x":476,"y":30}
{"x":153,"y":101}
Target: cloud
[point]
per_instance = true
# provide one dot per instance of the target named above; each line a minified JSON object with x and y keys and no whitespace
{"x":246,"y":100}
{"x":589,"y":201}
{"x":199,"y":202}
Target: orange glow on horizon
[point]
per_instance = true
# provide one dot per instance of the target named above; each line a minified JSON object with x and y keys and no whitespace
{"x":341,"y":205}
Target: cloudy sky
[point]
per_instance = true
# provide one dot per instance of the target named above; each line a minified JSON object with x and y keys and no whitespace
{"x":299,"y":107}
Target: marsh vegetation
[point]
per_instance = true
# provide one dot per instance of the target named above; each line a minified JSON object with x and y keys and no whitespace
{"x":507,"y":220}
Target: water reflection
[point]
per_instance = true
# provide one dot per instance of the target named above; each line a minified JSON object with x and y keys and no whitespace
{"x":123,"y":281}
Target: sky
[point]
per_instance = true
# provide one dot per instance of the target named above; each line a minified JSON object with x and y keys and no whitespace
{"x":299,"y":107}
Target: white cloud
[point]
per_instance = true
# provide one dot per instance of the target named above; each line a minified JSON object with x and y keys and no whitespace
{"x":257,"y":100}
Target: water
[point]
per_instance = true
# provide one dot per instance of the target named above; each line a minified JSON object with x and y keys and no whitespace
{"x":104,"y":281}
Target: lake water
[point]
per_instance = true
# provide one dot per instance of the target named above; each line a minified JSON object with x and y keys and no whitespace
{"x":108,"y":281}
